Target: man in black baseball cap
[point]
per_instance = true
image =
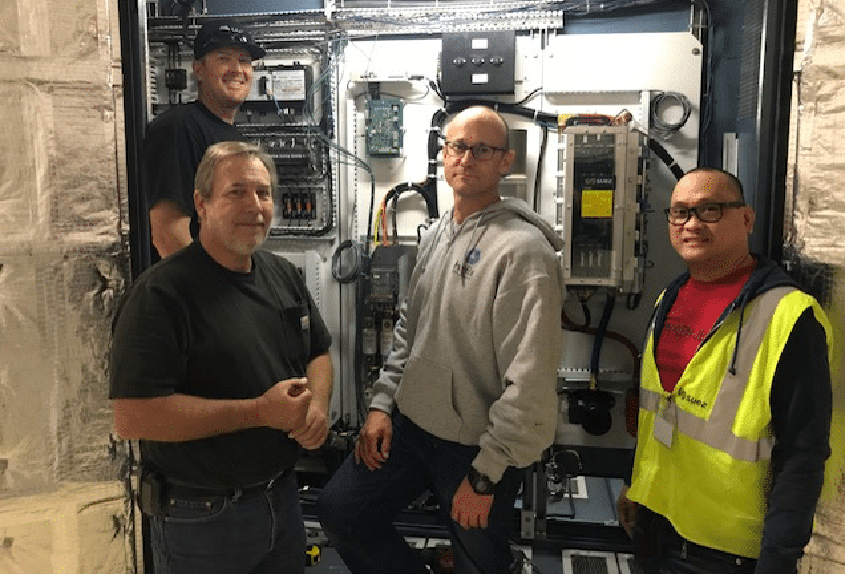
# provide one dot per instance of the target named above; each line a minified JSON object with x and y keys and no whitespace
{"x":177,"y":139}
{"x":221,"y":33}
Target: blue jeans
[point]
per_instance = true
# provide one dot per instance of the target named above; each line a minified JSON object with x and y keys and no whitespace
{"x":357,"y":507}
{"x":260,"y":532}
{"x":661,"y":550}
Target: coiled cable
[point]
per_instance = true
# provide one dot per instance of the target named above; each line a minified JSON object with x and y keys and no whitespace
{"x":660,"y":99}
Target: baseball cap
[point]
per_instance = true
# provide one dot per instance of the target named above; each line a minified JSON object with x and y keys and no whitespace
{"x":222,"y":33}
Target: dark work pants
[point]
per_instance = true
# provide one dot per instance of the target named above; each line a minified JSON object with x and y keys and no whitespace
{"x":661,"y":550}
{"x":259,"y":533}
{"x":357,"y":507}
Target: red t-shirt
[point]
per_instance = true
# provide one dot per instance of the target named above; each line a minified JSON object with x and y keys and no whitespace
{"x":690,"y":319}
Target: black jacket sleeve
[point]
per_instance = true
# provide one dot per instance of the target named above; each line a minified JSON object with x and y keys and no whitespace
{"x":801,"y":403}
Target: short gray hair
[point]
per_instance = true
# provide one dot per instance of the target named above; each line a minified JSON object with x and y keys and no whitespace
{"x":215,"y":154}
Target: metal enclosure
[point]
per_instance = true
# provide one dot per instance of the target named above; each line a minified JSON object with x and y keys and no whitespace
{"x":480,"y":62}
{"x":600,"y":203}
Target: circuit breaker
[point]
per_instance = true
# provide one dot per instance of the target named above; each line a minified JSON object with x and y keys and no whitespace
{"x":303,"y":198}
{"x":599,"y":201}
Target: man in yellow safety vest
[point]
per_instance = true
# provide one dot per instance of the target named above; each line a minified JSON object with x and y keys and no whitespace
{"x":735,"y":400}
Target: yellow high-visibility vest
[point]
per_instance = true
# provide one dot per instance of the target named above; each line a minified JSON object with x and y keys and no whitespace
{"x":704,"y":450}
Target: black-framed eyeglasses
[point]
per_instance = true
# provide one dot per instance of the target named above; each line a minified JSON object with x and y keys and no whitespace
{"x":481,"y":152}
{"x":706,"y":212}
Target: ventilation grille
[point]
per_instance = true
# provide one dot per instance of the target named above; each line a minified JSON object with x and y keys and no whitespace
{"x":586,"y":562}
{"x":627,"y":564}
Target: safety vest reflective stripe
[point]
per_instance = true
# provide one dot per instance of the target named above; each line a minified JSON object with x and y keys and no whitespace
{"x":715,"y":431}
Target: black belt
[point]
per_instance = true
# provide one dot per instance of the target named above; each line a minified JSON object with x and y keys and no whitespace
{"x":176,"y":490}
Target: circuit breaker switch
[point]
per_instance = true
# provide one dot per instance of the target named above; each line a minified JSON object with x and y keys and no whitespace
{"x":386,"y":339}
{"x":370,"y":337}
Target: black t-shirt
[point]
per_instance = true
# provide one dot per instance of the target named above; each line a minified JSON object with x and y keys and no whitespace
{"x":190,"y":326}
{"x":173,"y":147}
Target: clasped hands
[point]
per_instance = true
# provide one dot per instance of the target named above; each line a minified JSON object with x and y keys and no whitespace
{"x":289,"y":406}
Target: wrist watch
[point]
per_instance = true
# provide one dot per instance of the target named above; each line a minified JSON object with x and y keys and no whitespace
{"x":480,"y":483}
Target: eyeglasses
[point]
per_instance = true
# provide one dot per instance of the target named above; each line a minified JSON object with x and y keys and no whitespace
{"x":706,"y":212}
{"x":481,"y":152}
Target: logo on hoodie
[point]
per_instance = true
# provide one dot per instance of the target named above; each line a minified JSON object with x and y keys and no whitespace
{"x":463,"y":269}
{"x":473,"y":255}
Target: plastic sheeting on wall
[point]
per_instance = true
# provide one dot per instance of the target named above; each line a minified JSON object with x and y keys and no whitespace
{"x":62,"y":266}
{"x":815,"y":234}
{"x":819,"y":200}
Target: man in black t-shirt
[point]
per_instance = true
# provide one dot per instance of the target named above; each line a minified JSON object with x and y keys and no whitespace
{"x":220,"y":366}
{"x":177,"y":139}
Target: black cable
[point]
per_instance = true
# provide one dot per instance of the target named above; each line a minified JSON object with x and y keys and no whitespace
{"x":528,"y":97}
{"x":355,"y":270}
{"x":370,"y":212}
{"x":666,"y":158}
{"x":427,"y":189}
{"x":395,"y":209}
{"x":598,"y":339}
{"x":457,"y":106}
{"x":658,"y":124}
{"x":420,"y":227}
{"x":434,"y":137}
{"x":537,"y":178}
{"x":571,"y":325}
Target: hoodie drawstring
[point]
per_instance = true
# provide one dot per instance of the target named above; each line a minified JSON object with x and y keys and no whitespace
{"x":732,"y":367}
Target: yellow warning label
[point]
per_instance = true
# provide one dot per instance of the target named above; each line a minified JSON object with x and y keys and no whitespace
{"x":597,"y":203}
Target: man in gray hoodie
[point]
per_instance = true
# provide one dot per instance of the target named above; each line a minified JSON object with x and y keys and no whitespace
{"x":467,"y":396}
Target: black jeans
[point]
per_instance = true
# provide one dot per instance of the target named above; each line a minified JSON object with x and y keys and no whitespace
{"x":358,"y":505}
{"x":659,"y":549}
{"x":258,"y":533}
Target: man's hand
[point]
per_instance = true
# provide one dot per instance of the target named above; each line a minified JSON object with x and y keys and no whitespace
{"x":627,"y":511}
{"x":315,"y":430}
{"x":469,"y":509}
{"x":373,"y":444}
{"x":285,"y":405}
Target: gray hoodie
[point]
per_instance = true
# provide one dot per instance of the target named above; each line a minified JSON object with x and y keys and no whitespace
{"x":478,"y":342}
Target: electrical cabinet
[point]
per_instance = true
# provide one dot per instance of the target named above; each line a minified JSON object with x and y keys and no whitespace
{"x":600,"y":194}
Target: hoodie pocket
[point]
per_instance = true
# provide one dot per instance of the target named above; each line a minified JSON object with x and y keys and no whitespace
{"x":426,"y":396}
